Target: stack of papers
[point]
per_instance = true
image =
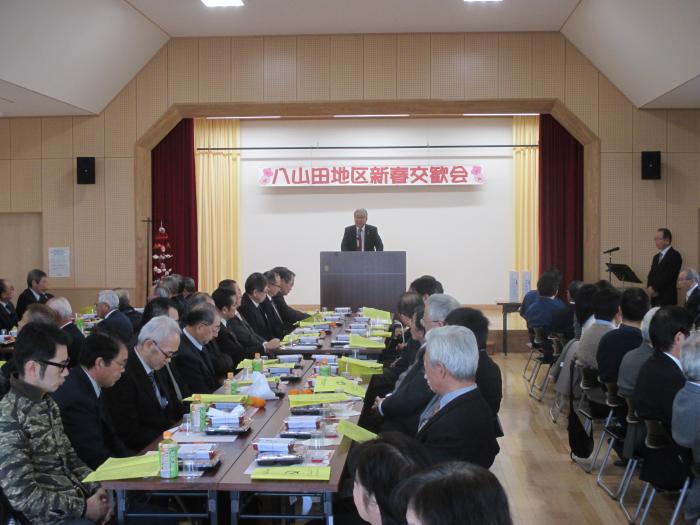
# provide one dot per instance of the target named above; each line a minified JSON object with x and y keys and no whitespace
{"x":333,"y":384}
{"x":303,"y":422}
{"x":357,"y":341}
{"x":330,"y":358}
{"x":376,"y":315}
{"x":301,"y":400}
{"x":219,"y":418}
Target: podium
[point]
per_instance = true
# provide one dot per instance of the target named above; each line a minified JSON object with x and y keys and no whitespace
{"x":624,"y":273}
{"x":356,"y":279}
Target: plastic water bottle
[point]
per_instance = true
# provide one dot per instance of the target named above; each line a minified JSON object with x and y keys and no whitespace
{"x":324,"y":369}
{"x":167,"y":454}
{"x":230,"y":385}
{"x":198,"y":414}
{"x":257,"y":365}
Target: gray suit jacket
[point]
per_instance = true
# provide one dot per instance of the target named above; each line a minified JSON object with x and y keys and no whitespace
{"x":588,"y":347}
{"x":629,"y":368}
{"x":686,"y":432}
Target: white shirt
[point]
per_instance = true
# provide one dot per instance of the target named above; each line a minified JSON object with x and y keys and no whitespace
{"x":675,"y":360}
{"x":196,"y":343}
{"x":110,"y":313}
{"x":95,"y":386}
{"x":37,"y":296}
{"x":663,"y":252}
{"x":689,"y":292}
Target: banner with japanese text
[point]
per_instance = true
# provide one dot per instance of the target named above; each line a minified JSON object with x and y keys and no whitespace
{"x":372,"y":175}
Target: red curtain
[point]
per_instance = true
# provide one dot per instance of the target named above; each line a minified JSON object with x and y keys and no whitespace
{"x":561,"y":201}
{"x":173,"y":195}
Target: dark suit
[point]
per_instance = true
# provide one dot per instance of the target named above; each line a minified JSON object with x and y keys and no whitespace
{"x":230,"y":345}
{"x":196,"y":368}
{"x":372,"y":240}
{"x":221,"y":362}
{"x":663,"y":277}
{"x":659,"y":381}
{"x":133,"y":315}
{"x":290,"y":316}
{"x":686,"y":414}
{"x":87,"y":421}
{"x":489,"y":381}
{"x":563,"y":322}
{"x":135,"y":410}
{"x":274,"y":319}
{"x":27,"y":298}
{"x":256,"y":317}
{"x":252,"y":343}
{"x":118,"y":324}
{"x":692,"y":304}
{"x":8,"y":317}
{"x":77,"y":340}
{"x":462,"y":431}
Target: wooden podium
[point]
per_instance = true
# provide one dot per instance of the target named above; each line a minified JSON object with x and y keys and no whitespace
{"x":356,"y":279}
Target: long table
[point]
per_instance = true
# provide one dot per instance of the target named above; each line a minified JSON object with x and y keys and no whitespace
{"x":327,"y":347}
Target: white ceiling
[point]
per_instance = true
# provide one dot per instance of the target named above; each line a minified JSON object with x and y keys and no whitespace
{"x":73,"y":56}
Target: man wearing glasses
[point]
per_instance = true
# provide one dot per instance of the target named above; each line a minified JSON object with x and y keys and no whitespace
{"x":40,"y":473}
{"x":193,"y":361}
{"x":268,"y":306}
{"x":143,"y":403}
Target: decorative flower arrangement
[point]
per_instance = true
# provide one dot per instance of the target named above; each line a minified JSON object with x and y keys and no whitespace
{"x":161,"y":254}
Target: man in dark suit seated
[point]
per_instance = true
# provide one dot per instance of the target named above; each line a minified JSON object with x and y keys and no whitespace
{"x":143,"y":403}
{"x":268,"y":306}
{"x":564,"y":319}
{"x":458,"y":423}
{"x":661,"y":377}
{"x":84,"y":410}
{"x":8,"y":314}
{"x":225,"y":301}
{"x":252,"y":343}
{"x":665,"y":266}
{"x":107,"y":309}
{"x":689,"y":282}
{"x":290,"y":316}
{"x":64,"y":313}
{"x":361,"y":237}
{"x":425,"y":286}
{"x":539,"y":314}
{"x":255,"y":294}
{"x":129,"y":311}
{"x":36,"y":291}
{"x":192,"y":360}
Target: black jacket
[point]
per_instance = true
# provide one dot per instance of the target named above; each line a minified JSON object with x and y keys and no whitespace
{"x":26,"y":298}
{"x":290,"y":316}
{"x":663,"y":277}
{"x":658,"y":382}
{"x":275,"y":322}
{"x":221,"y":362}
{"x":87,"y":421}
{"x":8,"y":317}
{"x":490,"y":382}
{"x":196,"y":367}
{"x":132,"y":315}
{"x":118,"y":324}
{"x":462,"y":431}
{"x":77,"y":340}
{"x":135,"y":410}
{"x":372,"y":239}
{"x":693,"y":306}
{"x":256,"y":317}
{"x":612,"y":349}
{"x":252,"y":343}
{"x":230,"y":345}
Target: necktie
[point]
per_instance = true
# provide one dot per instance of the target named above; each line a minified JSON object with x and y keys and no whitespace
{"x":161,"y":399}
{"x":178,"y":392}
{"x":430,"y":410}
{"x":359,"y":240}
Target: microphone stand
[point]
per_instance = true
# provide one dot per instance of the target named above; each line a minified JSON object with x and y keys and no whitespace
{"x":609,"y":269}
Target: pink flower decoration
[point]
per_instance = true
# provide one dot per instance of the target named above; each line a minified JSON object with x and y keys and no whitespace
{"x":476,"y":170}
{"x":267,"y":177}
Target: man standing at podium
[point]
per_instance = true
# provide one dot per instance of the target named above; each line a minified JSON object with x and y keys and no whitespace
{"x":362,"y":237}
{"x":665,"y":267}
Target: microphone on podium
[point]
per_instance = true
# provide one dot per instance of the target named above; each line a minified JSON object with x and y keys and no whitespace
{"x":611,"y":250}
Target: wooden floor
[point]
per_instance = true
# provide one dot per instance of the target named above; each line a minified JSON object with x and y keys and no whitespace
{"x":543,"y":485}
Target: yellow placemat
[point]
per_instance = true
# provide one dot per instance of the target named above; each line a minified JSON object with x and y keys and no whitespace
{"x":354,"y":432}
{"x":292,"y":473}
{"x":126,"y":468}
{"x":300,"y":400}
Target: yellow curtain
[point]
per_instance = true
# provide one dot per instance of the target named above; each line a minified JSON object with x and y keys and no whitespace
{"x":217,"y":201}
{"x":526,"y":198}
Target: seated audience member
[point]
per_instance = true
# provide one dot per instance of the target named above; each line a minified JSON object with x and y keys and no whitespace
{"x":107,"y":308}
{"x":228,"y":283}
{"x":225,"y":301}
{"x":158,"y":290}
{"x":84,"y":411}
{"x":458,"y":423}
{"x":129,"y":311}
{"x":377,"y":467}
{"x":564,"y":319}
{"x":255,"y":294}
{"x":64,"y":313}
{"x":685,"y":417}
{"x":425,"y":286}
{"x":634,"y":359}
{"x":251,"y":341}
{"x":453,"y":493}
{"x":8,"y":314}
{"x":488,"y":374}
{"x":539,"y":313}
{"x":606,"y":310}
{"x":274,"y":318}
{"x":40,"y":473}
{"x":222,"y":363}
{"x":584,"y":309}
{"x":172,"y":284}
{"x":143,"y":403}
{"x":661,"y":377}
{"x":290,"y":316}
{"x":36,"y":291}
{"x":437,"y":308}
{"x":634,"y":304}
{"x":689,"y":282}
{"x":531,"y":297}
{"x":188,"y":287}
{"x":157,"y":307}
{"x":192,"y":361}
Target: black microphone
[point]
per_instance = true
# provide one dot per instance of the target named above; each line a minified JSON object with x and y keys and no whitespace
{"x":611,"y":250}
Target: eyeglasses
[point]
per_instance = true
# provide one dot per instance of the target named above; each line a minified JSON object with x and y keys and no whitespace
{"x":63,"y":365}
{"x":168,"y":356}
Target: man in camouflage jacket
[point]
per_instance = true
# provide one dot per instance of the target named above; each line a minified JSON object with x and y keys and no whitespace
{"x":40,"y":473}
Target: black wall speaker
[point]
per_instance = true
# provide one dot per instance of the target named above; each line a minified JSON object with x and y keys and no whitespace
{"x":86,"y":170}
{"x":651,"y":165}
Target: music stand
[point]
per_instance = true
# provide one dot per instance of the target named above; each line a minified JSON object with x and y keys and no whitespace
{"x":623,"y":273}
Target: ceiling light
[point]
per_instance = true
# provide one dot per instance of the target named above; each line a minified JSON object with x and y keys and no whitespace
{"x":373,"y":116}
{"x":245,"y":118}
{"x":223,"y":3}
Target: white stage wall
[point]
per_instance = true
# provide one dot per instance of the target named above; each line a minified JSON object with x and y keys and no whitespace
{"x":461,"y":234}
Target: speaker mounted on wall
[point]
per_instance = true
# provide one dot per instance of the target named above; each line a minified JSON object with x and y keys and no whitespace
{"x":651,"y":165}
{"x":86,"y":170}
